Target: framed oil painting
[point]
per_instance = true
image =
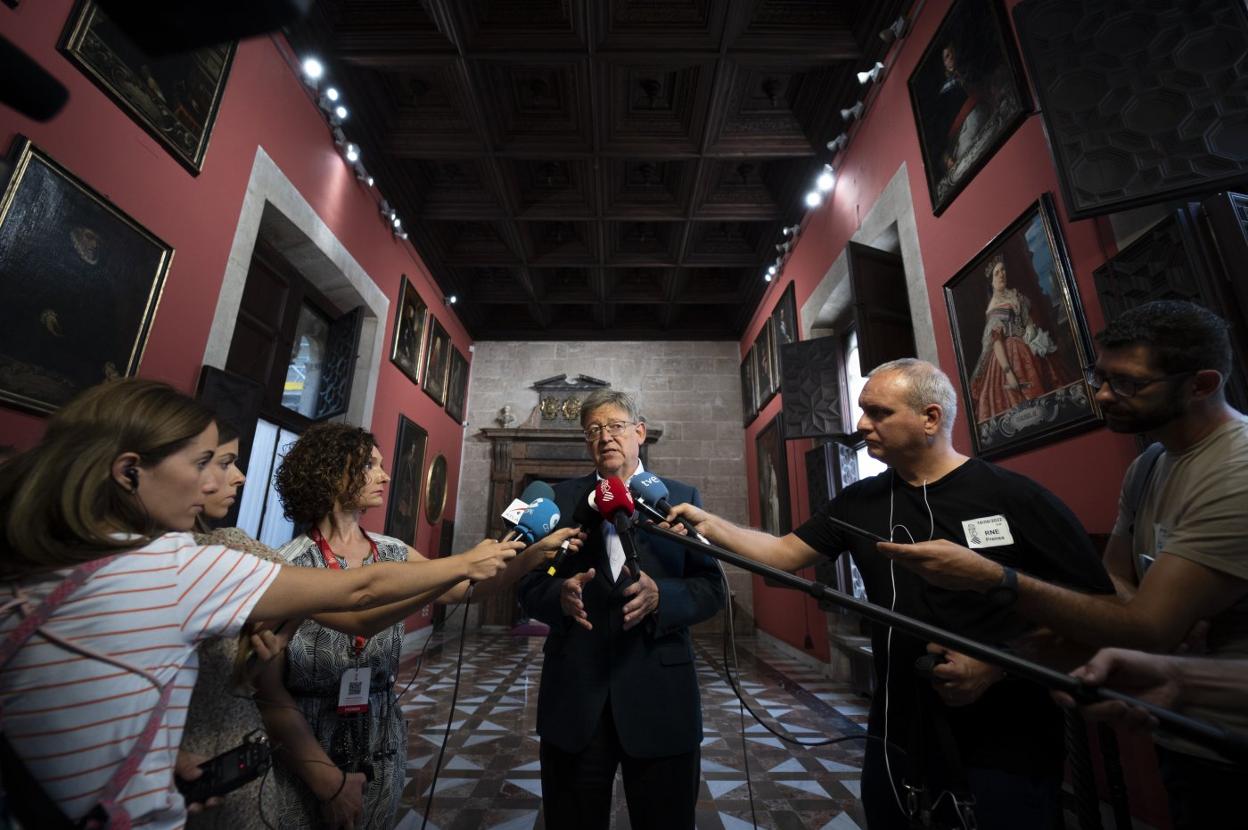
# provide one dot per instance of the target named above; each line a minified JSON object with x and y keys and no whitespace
{"x":174,"y":97}
{"x":409,"y":460}
{"x":81,"y":283}
{"x":437,"y":362}
{"x":1021,"y":338}
{"x":773,"y":479}
{"x":407,"y":343}
{"x":748,"y":410}
{"x":968,"y":95}
{"x":765,"y":379}
{"x":782,"y":328}
{"x":435,"y":490}
{"x":457,"y":386}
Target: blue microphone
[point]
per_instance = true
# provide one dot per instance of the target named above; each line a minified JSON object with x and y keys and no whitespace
{"x":537,"y":521}
{"x":651,"y":493}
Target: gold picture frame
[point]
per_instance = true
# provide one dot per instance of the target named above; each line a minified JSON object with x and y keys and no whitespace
{"x":435,"y":489}
{"x":407,"y":342}
{"x":81,"y":281}
{"x":175,"y":98}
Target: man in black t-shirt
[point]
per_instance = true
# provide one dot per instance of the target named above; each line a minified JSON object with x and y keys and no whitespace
{"x":969,"y":727}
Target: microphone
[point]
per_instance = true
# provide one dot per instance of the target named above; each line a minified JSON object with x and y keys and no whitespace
{"x":512,"y":515}
{"x":651,"y":493}
{"x":616,"y":505}
{"x":584,"y":514}
{"x":538,"y":521}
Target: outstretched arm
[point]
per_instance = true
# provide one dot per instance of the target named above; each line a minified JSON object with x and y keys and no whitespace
{"x":1175,"y":594}
{"x":788,"y":553}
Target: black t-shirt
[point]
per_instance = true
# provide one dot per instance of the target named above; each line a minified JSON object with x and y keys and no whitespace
{"x":1014,"y":726}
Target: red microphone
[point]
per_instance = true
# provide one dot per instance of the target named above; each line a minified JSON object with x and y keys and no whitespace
{"x":615,"y":504}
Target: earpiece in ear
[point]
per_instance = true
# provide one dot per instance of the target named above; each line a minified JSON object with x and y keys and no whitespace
{"x":132,"y":475}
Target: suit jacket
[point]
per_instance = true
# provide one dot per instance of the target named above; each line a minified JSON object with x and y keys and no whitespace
{"x":645,"y":673}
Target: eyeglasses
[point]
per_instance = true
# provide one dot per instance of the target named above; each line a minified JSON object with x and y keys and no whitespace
{"x":1124,"y":387}
{"x":614,"y":429}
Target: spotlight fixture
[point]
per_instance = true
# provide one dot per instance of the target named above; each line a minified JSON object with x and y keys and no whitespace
{"x":767,"y":277}
{"x":397,"y":222}
{"x":331,"y":93}
{"x":894,"y":30}
{"x":792,"y":230}
{"x":837,"y":144}
{"x":814,"y":199}
{"x":362,"y":174}
{"x":450,"y":299}
{"x":313,"y":69}
{"x":827,"y":178}
{"x":352,"y":152}
{"x":784,"y":247}
{"x":386,"y":210}
{"x":369,"y":181}
{"x":400,"y":235}
{"x":772,"y":270}
{"x":872,"y":74}
{"x":340,"y":112}
{"x":853,"y":112}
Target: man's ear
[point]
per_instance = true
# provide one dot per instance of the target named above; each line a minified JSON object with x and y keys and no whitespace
{"x":1206,"y":382}
{"x":933,"y":417}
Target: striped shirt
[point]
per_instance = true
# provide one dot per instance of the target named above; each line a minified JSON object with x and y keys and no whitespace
{"x":73,"y":719}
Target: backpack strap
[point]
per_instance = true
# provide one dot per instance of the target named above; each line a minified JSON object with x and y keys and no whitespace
{"x":108,"y":813}
{"x":1135,"y":487}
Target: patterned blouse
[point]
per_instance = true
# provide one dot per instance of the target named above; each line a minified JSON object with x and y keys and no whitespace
{"x":221,"y":716}
{"x":315,"y":661}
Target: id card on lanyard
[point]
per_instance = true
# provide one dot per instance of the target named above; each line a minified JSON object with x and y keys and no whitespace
{"x":353,"y":687}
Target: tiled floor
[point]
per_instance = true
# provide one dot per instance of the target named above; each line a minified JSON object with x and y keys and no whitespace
{"x":490,"y":776}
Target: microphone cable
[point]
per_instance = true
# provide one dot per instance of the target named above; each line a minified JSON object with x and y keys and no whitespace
{"x":450,"y":717}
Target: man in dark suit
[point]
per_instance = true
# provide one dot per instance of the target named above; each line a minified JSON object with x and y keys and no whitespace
{"x":618,"y":683}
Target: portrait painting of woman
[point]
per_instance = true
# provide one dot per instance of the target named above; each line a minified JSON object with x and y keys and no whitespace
{"x":1020,"y":337}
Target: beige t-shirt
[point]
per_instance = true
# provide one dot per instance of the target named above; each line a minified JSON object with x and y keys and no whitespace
{"x":1196,"y":507}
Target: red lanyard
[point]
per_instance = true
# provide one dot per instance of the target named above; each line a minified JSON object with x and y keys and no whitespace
{"x":331,"y":562}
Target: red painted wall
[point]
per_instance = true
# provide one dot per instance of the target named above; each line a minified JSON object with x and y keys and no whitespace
{"x":1085,"y":471}
{"x":265,"y":105}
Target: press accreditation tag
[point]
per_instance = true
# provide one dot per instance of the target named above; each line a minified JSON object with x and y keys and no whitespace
{"x":988,"y":532}
{"x":353,"y":691}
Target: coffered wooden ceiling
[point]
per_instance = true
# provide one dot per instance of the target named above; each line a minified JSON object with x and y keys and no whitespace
{"x":597,"y":169}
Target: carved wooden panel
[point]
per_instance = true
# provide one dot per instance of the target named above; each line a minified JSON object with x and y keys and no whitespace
{"x":810,"y":385}
{"x":1168,"y":262}
{"x":1142,"y":102}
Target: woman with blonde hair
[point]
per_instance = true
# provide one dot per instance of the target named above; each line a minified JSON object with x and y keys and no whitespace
{"x":108,"y":597}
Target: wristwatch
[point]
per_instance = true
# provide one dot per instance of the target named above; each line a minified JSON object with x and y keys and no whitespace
{"x":1006,"y":591}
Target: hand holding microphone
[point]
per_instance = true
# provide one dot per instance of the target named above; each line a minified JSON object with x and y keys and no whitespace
{"x":615,"y":504}
{"x":651,"y":494}
{"x":585,"y":515}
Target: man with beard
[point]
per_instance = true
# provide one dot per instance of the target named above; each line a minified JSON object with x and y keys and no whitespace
{"x":1179,"y":549}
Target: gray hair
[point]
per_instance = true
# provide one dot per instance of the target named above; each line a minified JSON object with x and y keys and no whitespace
{"x":610,"y":397}
{"x":926,"y":384}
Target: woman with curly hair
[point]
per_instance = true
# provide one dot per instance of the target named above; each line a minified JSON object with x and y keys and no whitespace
{"x":108,"y":596}
{"x":344,"y":760}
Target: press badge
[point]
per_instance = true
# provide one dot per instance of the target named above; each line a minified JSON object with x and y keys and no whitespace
{"x":988,"y":532}
{"x":353,"y":691}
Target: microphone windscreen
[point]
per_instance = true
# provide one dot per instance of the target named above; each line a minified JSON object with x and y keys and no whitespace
{"x":612,"y":497}
{"x":648,"y":487}
{"x":26,"y":86}
{"x":586,"y":512}
{"x":538,"y":521}
{"x":537,"y":490}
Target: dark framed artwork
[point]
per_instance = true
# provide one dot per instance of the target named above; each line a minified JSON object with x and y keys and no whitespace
{"x":435,"y":489}
{"x":407,"y":343}
{"x":748,"y":410}
{"x":457,"y":386}
{"x":773,"y":479}
{"x":784,"y":320}
{"x":1015,"y":307}
{"x":767,"y":380}
{"x":174,"y":97}
{"x":437,"y":362}
{"x":405,"y":485}
{"x":968,"y":95}
{"x":81,"y":284}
